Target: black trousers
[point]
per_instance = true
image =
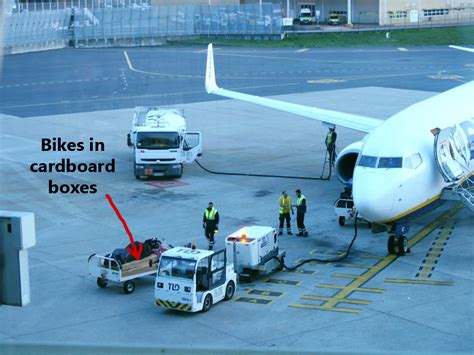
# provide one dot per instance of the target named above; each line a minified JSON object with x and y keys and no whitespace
{"x":285,"y":217}
{"x":300,"y":222}
{"x":209,"y":232}
{"x":332,"y":152}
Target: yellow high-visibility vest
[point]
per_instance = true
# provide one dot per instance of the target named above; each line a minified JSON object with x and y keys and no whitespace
{"x":210,"y":215}
{"x":286,"y":202}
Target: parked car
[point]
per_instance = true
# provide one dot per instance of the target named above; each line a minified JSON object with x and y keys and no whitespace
{"x":306,"y":17}
{"x":335,"y":19}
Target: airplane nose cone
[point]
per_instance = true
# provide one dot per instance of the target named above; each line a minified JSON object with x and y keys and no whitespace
{"x":373,"y":194}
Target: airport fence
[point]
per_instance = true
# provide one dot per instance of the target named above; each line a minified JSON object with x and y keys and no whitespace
{"x":127,"y":22}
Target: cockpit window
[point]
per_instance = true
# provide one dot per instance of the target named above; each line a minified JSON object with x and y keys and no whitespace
{"x":368,"y":161}
{"x":390,"y":163}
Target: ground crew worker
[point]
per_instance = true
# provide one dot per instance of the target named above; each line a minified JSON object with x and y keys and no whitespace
{"x":210,"y":223}
{"x":300,"y":211}
{"x":331,"y":145}
{"x":285,"y":207}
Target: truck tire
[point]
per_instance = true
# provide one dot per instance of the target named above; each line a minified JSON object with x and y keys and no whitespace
{"x":137,"y":177}
{"x":229,"y":290}
{"x":128,"y":287}
{"x":101,"y":282}
{"x":207,"y":303}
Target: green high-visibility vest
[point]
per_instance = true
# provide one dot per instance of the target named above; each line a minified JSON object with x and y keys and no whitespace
{"x":329,"y":138}
{"x":300,"y":199}
{"x":210,"y":215}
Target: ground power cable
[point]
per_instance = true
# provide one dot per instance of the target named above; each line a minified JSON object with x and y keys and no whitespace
{"x":292,"y":268}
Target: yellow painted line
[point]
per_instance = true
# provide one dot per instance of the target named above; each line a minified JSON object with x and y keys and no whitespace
{"x":430,"y":261}
{"x":341,"y":300}
{"x":369,"y":289}
{"x":426,"y":268}
{"x":357,"y":266}
{"x":331,"y":286}
{"x":436,"y":249}
{"x":423,"y":275}
{"x":346,"y":276}
{"x":420,"y":282}
{"x":254,"y":300}
{"x":266,"y":293}
{"x":444,"y":239}
{"x":130,"y":66}
{"x":283,"y":282}
{"x":372,"y":257}
{"x":439,"y":244}
{"x":427,"y":202}
{"x":444,"y":234}
{"x":324,"y":308}
{"x":385,"y":261}
{"x":433,"y":255}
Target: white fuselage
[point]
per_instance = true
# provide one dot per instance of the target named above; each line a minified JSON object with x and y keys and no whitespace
{"x":385,"y":195}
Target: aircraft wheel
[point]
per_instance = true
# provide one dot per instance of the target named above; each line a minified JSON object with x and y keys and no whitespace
{"x":402,"y":244}
{"x":207,"y":303}
{"x":229,"y":290}
{"x":342,"y":220}
{"x":391,"y":244}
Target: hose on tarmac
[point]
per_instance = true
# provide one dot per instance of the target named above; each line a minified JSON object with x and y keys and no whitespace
{"x":340,"y":258}
{"x":321,"y":178}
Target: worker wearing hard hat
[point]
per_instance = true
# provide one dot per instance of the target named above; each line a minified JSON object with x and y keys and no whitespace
{"x":300,"y":212}
{"x":284,"y":213}
{"x":210,"y":223}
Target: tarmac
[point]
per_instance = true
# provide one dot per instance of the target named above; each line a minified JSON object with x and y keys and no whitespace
{"x":371,"y":302}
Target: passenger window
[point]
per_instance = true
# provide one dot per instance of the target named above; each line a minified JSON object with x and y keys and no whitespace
{"x":368,"y":161}
{"x":390,"y":163}
{"x":416,"y":160}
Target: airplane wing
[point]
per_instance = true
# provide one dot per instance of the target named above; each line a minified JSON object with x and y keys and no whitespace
{"x":467,"y":49}
{"x":359,"y":123}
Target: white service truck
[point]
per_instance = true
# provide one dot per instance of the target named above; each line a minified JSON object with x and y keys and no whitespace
{"x":161,"y":142}
{"x":192,"y":280}
{"x":254,"y":251}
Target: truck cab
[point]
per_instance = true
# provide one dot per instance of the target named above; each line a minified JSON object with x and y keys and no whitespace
{"x":192,"y":280}
{"x":161,"y":142}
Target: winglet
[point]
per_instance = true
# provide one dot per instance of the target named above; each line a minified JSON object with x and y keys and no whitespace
{"x":210,"y":72}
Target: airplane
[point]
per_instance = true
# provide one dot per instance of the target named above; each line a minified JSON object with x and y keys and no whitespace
{"x":404,"y":165}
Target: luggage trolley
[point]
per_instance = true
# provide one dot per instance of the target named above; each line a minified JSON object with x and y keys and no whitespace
{"x":109,"y":270}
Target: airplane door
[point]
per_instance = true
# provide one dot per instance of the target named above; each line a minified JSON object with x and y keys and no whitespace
{"x":454,"y":150}
{"x":192,"y":146}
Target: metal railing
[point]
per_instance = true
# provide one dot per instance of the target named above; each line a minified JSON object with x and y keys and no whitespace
{"x":104,"y":21}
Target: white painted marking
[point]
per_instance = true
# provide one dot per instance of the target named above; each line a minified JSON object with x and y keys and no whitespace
{"x":403,"y":49}
{"x":302,"y":50}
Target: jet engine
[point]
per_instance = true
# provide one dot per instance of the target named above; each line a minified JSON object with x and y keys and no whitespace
{"x":346,"y":162}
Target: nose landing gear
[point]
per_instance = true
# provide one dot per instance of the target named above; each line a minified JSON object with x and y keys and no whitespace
{"x":397,"y":245}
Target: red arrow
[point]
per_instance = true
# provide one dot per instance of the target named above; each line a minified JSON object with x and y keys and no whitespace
{"x":136,"y":253}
